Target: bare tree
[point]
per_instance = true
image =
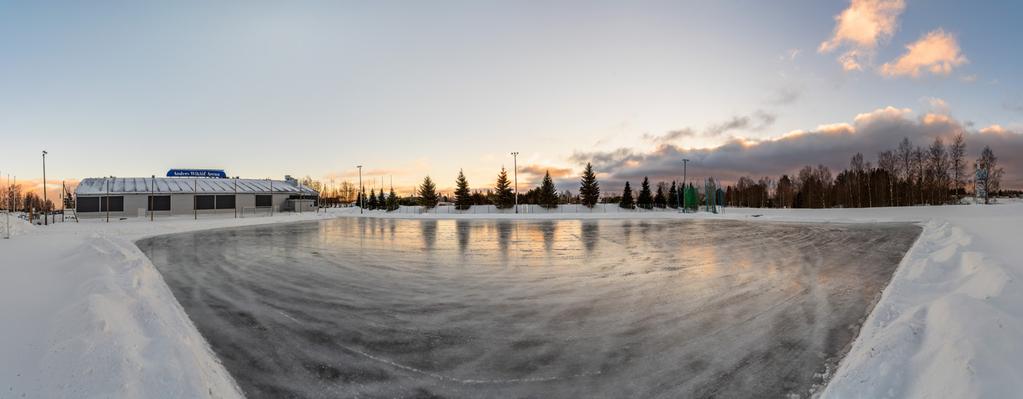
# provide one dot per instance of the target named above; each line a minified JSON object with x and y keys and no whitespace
{"x":886,"y":160}
{"x":957,"y":163}
{"x":937,"y":165}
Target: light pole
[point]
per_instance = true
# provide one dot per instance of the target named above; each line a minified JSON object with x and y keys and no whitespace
{"x":685,"y":163}
{"x":361,"y":199}
{"x":46,"y":213}
{"x":515,"y":173}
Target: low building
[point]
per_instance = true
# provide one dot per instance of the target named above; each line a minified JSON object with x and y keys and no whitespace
{"x":138,"y":196}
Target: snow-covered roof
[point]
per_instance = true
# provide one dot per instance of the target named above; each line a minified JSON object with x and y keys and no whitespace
{"x":144,"y":185}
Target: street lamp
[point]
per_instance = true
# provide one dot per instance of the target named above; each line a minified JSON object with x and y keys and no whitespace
{"x":361,"y":199}
{"x":46,"y":216}
{"x":515,"y":173}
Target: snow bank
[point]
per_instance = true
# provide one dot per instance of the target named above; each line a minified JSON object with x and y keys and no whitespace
{"x":85,"y":314}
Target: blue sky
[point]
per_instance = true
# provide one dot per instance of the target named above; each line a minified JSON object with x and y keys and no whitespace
{"x":413,"y":88}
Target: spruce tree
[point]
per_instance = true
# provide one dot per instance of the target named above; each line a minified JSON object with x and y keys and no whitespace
{"x":660,"y":200}
{"x":673,"y":196}
{"x":381,"y":200}
{"x":360,"y":200}
{"x":392,"y":201}
{"x":589,"y":190}
{"x":548,"y":194}
{"x":428,"y":193}
{"x":463,"y":197}
{"x":627,"y":202}
{"x":645,"y":199}
{"x":371,"y":200}
{"x":505,"y":197}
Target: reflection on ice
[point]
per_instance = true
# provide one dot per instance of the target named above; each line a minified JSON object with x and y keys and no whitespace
{"x":612,"y":308}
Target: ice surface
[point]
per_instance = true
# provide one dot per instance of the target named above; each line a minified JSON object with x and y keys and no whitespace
{"x":555,"y":308}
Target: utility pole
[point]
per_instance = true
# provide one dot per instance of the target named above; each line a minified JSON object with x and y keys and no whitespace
{"x":515,"y":173}
{"x":361,"y":199}
{"x":46,"y":210}
{"x":107,"y":199}
{"x":9,"y":206}
{"x":685,"y":163}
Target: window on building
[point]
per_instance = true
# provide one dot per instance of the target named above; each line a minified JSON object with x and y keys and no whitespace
{"x":116,"y":203}
{"x":205,"y":202}
{"x":264,"y":201}
{"x":87,"y":204}
{"x":225,"y":202}
{"x":159,"y":202}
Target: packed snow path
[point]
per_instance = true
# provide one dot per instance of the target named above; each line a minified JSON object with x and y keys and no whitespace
{"x":609,"y":308}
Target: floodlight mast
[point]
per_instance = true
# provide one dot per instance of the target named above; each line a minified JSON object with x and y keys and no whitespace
{"x":515,"y":173}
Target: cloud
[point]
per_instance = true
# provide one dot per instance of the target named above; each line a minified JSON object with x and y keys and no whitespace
{"x":670,"y":136}
{"x":1014,"y":106}
{"x":539,"y":170}
{"x":861,"y":28}
{"x":936,"y":52}
{"x":789,"y":55}
{"x":831,"y":145}
{"x":759,"y":120}
{"x":784,"y":96}
{"x":936,"y":105}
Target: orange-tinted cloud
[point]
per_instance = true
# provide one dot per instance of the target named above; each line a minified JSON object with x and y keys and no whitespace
{"x":861,"y":27}
{"x":539,"y":170}
{"x":936,"y":52}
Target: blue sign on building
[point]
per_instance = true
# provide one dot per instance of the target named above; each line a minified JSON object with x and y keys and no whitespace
{"x":214,"y":173}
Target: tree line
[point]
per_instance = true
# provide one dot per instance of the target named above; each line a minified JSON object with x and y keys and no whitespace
{"x":904,"y":176}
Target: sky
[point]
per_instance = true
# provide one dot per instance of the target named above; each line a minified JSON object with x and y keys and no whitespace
{"x":408,"y":89}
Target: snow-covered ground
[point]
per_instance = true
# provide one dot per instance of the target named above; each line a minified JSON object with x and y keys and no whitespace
{"x":85,"y":314}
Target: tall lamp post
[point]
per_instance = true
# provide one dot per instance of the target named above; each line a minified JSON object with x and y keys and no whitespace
{"x":685,"y":163}
{"x":515,"y":173}
{"x":361,"y":200}
{"x":46,"y":213}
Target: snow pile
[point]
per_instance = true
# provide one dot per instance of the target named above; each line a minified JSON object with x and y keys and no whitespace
{"x":86,"y":314}
{"x":949,"y":323}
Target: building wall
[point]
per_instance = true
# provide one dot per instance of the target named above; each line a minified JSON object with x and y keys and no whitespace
{"x":181,"y":204}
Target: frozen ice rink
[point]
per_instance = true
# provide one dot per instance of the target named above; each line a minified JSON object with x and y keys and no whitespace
{"x":558,"y":308}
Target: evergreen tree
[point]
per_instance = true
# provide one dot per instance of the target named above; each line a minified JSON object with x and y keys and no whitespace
{"x":392,"y":201}
{"x":646,"y":198}
{"x":428,"y":193}
{"x":381,"y":200}
{"x":548,"y":195}
{"x":627,"y":201}
{"x":463,"y":197}
{"x":360,"y":200}
{"x":660,"y":199}
{"x":673,"y":196}
{"x":589,"y":189}
{"x":371,"y":200}
{"x":505,"y":197}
